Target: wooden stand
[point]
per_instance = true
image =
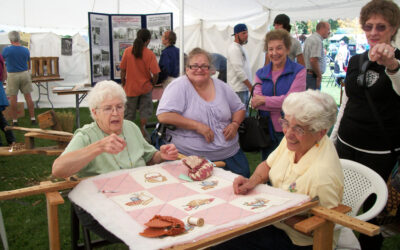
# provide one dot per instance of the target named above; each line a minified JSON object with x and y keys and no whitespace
{"x":44,"y":70}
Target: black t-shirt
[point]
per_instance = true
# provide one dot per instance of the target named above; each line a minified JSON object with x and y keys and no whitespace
{"x":358,"y":126}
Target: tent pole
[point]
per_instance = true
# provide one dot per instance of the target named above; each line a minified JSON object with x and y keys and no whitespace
{"x":24,"y":14}
{"x":201,"y":34}
{"x":181,"y":34}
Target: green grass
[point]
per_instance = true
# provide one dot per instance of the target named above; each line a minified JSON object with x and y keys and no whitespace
{"x":26,"y":219}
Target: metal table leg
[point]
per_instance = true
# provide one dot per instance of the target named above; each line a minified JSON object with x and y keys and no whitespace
{"x":46,"y":87}
{"x":78,"y":100}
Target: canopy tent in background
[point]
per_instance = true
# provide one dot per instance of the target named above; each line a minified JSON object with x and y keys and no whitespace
{"x":207,"y":24}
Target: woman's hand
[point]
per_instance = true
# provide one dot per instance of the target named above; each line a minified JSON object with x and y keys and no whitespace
{"x":205,"y":131}
{"x":169,"y":152}
{"x":112,"y":144}
{"x":230,"y":131}
{"x":257,"y":100}
{"x":383,"y":54}
{"x":242,"y":185}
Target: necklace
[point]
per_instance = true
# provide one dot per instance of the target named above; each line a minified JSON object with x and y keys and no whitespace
{"x":127,"y":151}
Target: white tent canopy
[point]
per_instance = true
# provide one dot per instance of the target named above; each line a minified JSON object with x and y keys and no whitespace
{"x":72,"y":14}
{"x":207,"y":24}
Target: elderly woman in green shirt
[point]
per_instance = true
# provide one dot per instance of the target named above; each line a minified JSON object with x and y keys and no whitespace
{"x":109,"y":143}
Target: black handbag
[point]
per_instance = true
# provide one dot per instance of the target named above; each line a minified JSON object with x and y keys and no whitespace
{"x":253,"y":131}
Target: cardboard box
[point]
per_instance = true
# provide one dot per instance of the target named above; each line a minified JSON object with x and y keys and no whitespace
{"x":20,"y":111}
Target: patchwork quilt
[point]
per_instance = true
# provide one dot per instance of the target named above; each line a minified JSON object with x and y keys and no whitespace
{"x":122,"y":201}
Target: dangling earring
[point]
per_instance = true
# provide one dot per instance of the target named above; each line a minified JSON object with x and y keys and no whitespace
{"x":317,"y":144}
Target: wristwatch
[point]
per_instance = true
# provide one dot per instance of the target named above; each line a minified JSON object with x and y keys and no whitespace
{"x":394,"y":70}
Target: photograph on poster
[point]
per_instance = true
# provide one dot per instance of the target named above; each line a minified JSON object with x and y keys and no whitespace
{"x":106,"y":70}
{"x":97,"y":70}
{"x":105,"y":55}
{"x":96,"y":35}
{"x":66,"y":46}
{"x":97,"y":57}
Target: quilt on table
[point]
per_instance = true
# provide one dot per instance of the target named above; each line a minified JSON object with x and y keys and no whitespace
{"x":122,"y":201}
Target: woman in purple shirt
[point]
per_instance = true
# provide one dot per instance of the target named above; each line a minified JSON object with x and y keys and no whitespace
{"x":278,"y":79}
{"x":207,"y":114}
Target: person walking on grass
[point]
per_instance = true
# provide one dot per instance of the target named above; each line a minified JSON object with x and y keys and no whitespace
{"x":17,"y":58}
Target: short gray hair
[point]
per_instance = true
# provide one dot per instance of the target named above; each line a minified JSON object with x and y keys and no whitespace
{"x":311,"y":108}
{"x":104,"y":90}
{"x":14,"y":36}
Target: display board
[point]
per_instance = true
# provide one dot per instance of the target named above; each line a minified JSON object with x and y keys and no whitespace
{"x":111,"y":34}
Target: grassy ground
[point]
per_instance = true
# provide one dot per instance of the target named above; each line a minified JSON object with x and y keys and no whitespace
{"x":26,"y":220}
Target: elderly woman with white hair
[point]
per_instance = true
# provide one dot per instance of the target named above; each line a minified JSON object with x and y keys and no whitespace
{"x":110,"y":142}
{"x":305,"y":162}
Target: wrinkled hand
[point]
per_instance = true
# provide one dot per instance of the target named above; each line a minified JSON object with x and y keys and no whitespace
{"x":242,"y":185}
{"x":230,"y":131}
{"x":383,"y":54}
{"x":169,"y":152}
{"x":205,"y":131}
{"x":257,"y":100}
{"x":112,"y":144}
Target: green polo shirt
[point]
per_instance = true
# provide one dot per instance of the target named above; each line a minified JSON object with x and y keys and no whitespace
{"x":137,"y":152}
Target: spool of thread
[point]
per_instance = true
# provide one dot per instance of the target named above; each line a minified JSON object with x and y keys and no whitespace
{"x":195,"y":221}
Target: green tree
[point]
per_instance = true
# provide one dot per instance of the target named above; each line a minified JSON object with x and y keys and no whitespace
{"x":302,"y":27}
{"x":334,"y":25}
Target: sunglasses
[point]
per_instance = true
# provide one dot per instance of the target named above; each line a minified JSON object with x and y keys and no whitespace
{"x":379,"y":27}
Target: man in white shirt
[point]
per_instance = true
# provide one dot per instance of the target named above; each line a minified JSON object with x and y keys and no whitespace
{"x":314,"y":55}
{"x":238,"y":65}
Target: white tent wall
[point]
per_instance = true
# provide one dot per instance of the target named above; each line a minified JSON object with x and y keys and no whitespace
{"x":74,"y":69}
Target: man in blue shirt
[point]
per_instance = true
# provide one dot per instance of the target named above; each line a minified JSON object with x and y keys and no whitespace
{"x":18,"y":77}
{"x":169,"y":59}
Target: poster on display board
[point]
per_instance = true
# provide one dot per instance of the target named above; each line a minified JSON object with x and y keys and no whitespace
{"x":99,"y":30}
{"x":124,"y":29}
{"x":106,"y":50}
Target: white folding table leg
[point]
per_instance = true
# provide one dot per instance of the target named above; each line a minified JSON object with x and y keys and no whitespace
{"x":3,"y":232}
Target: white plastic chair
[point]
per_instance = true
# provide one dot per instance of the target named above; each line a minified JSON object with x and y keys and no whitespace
{"x":359,"y":183}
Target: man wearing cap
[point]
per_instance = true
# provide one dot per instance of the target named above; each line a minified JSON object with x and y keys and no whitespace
{"x":238,"y":65}
{"x":314,"y":55}
{"x":282,"y":21}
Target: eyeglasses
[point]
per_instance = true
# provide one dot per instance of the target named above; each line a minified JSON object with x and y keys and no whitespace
{"x":196,"y":67}
{"x":379,"y":27}
{"x":120,"y":108}
{"x":297,"y":130}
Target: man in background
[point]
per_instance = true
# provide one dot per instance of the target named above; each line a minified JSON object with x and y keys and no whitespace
{"x":282,"y":21}
{"x":169,"y":59}
{"x":314,"y":55}
{"x":219,"y":63}
{"x":238,"y":65}
{"x":17,"y":58}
